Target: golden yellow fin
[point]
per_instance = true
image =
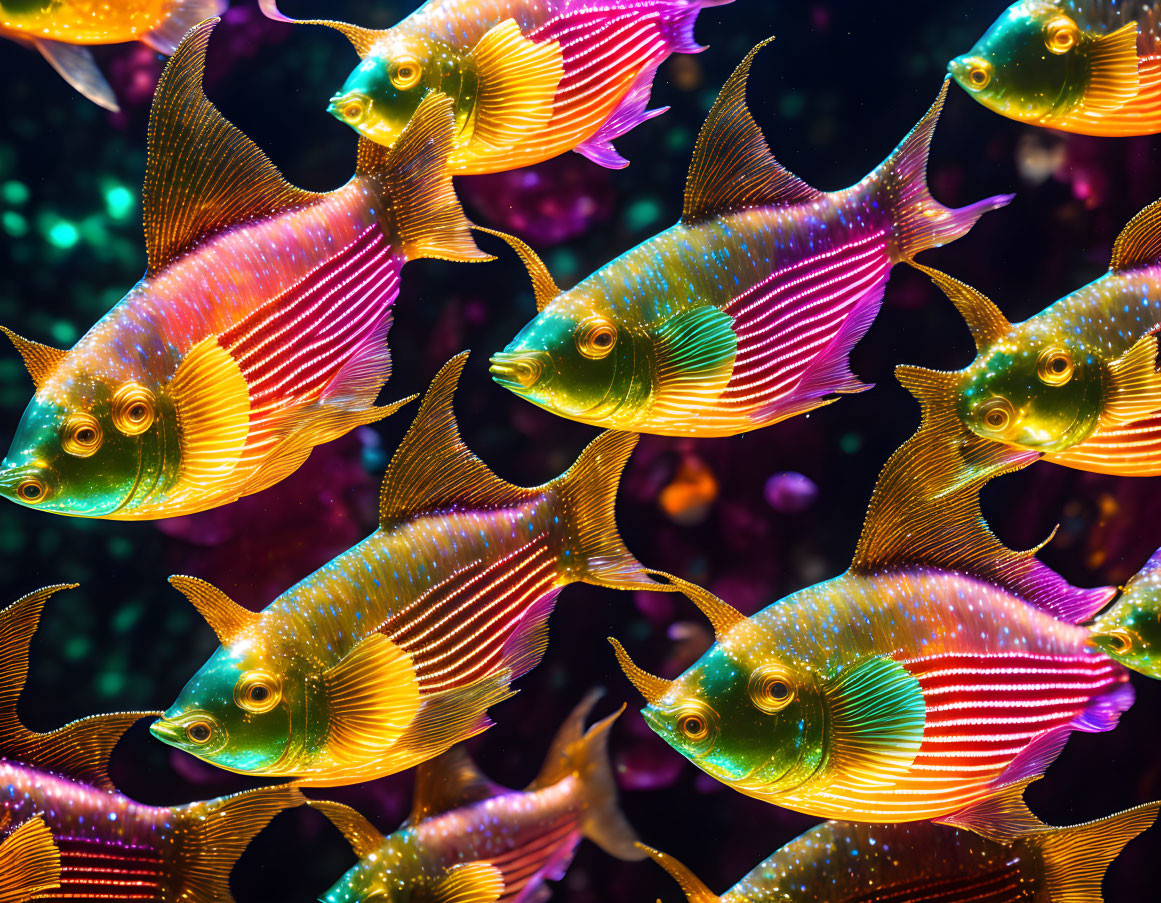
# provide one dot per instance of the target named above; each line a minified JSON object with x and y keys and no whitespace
{"x":363,"y":836}
{"x":469,"y":882}
{"x":449,"y":782}
{"x":518,"y":82}
{"x":29,"y":862}
{"x":544,"y":287}
{"x":1139,"y":243}
{"x":1001,"y":816}
{"x":984,"y":320}
{"x":362,"y":39}
{"x":1134,"y":389}
{"x":372,"y":698}
{"x":212,"y":401}
{"x":558,"y":762}
{"x":227,"y":619}
{"x":691,"y":885}
{"x":201,"y":173}
{"x":41,"y":361}
{"x":1113,"y":77}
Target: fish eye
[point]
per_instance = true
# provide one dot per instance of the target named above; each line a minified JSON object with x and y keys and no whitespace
{"x":352,"y":111}
{"x":595,"y":337}
{"x":32,"y":490}
{"x":134,"y":409}
{"x":1060,"y":34}
{"x":979,"y":73}
{"x":1119,"y":641}
{"x":80,"y":435}
{"x":696,"y":722}
{"x":199,"y":732}
{"x":1055,"y":367}
{"x":771,"y":689}
{"x":257,"y":692}
{"x":405,"y":73}
{"x":997,"y":414}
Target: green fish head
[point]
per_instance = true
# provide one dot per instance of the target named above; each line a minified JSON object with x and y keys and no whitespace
{"x":1030,"y":64}
{"x":1040,"y":393}
{"x":90,"y":449}
{"x":1130,"y":631}
{"x":396,"y":875}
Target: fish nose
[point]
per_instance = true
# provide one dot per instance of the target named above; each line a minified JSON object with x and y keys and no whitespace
{"x":166,"y":731}
{"x":521,"y":370}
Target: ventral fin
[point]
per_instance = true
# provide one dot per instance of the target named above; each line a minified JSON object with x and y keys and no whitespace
{"x":373,"y":696}
{"x":544,"y":287}
{"x":41,"y":361}
{"x":201,"y":173}
{"x":76,"y":65}
{"x":1002,"y":816}
{"x":984,"y":320}
{"x":518,"y":82}
{"x":433,"y":468}
{"x":449,"y":782}
{"x":469,"y":882}
{"x":1139,"y":243}
{"x":879,"y":717}
{"x":733,"y":167}
{"x":29,"y":862}
{"x":1113,"y":77}
{"x":362,"y":39}
{"x":1134,"y":391}
{"x":227,"y":619}
{"x":363,"y":836}
{"x":691,"y":885}
{"x":695,"y":352}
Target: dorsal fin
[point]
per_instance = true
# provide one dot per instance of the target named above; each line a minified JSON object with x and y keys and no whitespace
{"x":80,"y":749}
{"x":544,"y":287}
{"x":984,"y":320}
{"x":226,"y":618}
{"x":732,"y":166}
{"x":201,"y":174}
{"x":362,"y":39}
{"x":1139,"y":243}
{"x":925,"y":509}
{"x":363,"y":836}
{"x":448,"y":782}
{"x":40,"y":360}
{"x":432,"y":467}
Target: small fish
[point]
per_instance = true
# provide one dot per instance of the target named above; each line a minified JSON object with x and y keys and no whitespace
{"x":392,"y":653}
{"x":932,"y":680}
{"x":1130,"y":631}
{"x":469,"y":840}
{"x":1078,"y":382}
{"x":62,"y":30}
{"x":1085,"y":66}
{"x":258,"y":331}
{"x":922,"y":862}
{"x":106,"y":845}
{"x":530,"y":79}
{"x":745,"y":312}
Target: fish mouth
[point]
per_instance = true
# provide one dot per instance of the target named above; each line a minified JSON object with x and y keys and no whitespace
{"x":520,"y":371}
{"x":167,"y":731}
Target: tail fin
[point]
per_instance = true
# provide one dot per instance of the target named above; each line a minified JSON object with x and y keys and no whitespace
{"x":586,"y":754}
{"x":1076,"y":858}
{"x":677,"y":29}
{"x":588,"y":493}
{"x":213,"y":835}
{"x":921,"y":222}
{"x":691,"y":885}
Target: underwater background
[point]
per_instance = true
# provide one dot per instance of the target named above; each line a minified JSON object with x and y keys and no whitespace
{"x":753,"y":517}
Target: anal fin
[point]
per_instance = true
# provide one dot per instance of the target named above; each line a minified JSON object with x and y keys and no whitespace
{"x":1001,"y":816}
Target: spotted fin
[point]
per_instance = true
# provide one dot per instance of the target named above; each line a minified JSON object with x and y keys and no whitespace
{"x":76,"y":65}
{"x":469,"y":882}
{"x":29,"y":862}
{"x":1113,"y":78}
{"x":226,"y":618}
{"x":182,"y":16}
{"x":691,"y":885}
{"x":695,"y":353}
{"x":365,"y":839}
{"x":449,"y":782}
{"x":41,"y":361}
{"x":1134,"y":390}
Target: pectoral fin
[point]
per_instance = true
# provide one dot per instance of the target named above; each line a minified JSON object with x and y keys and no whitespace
{"x":696,"y":350}
{"x":29,"y":862}
{"x":471,"y":882}
{"x":1134,"y":390}
{"x":213,"y":413}
{"x":77,"y":67}
{"x":1113,"y":79}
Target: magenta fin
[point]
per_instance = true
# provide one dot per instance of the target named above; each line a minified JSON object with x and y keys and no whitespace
{"x":1033,"y":760}
{"x":525,"y":647}
{"x":1103,"y":713}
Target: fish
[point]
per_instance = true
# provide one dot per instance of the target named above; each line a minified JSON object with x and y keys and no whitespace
{"x":1076,"y":384}
{"x":393,"y":652}
{"x":87,"y":840}
{"x":931,"y":681}
{"x":1091,"y":67}
{"x":258,"y":331}
{"x":470,"y":840}
{"x":529,"y":79}
{"x":63,"y":30}
{"x":1129,"y":631}
{"x":919,"y":861}
{"x":745,"y":312}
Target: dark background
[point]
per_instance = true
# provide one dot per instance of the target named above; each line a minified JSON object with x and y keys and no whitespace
{"x":838,"y":89}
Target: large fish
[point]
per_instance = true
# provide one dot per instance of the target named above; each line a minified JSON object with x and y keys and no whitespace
{"x":108,"y":846}
{"x":932,"y":680}
{"x":746,"y":311}
{"x":530,"y":79}
{"x":63,"y":30}
{"x":392,"y":652}
{"x":469,"y":840}
{"x":258,"y":331}
{"x":1086,"y":66}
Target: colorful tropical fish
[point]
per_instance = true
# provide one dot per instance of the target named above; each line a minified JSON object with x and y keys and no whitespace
{"x":932,"y":680}
{"x":29,"y":862}
{"x":392,"y":652}
{"x":921,"y":862}
{"x":472,"y":841}
{"x":1077,"y":383}
{"x":1130,"y":630}
{"x":109,"y":846}
{"x":62,"y":30}
{"x":258,"y":331}
{"x":530,"y":79}
{"x":745,"y":312}
{"x":1086,"y":66}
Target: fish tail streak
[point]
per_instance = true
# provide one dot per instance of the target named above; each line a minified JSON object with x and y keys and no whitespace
{"x":29,"y":862}
{"x":691,"y":885}
{"x":921,"y":222}
{"x":362,"y":39}
{"x":213,"y":835}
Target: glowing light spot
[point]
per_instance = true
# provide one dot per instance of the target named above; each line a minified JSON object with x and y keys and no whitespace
{"x":119,"y":201}
{"x":14,"y":193}
{"x":63,"y":234}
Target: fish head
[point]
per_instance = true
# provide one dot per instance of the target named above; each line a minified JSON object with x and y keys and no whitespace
{"x":90,"y":447}
{"x":1032,"y":62}
{"x":1038,"y":392}
{"x":1130,"y":630}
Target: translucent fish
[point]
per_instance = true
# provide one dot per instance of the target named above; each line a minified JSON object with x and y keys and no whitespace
{"x":1086,"y":66}
{"x":470,"y":840}
{"x":393,"y":652}
{"x":82,"y":836}
{"x":258,"y":331}
{"x":529,"y":79}
{"x":852,"y":863}
{"x":63,"y":30}
{"x":744,"y":313}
